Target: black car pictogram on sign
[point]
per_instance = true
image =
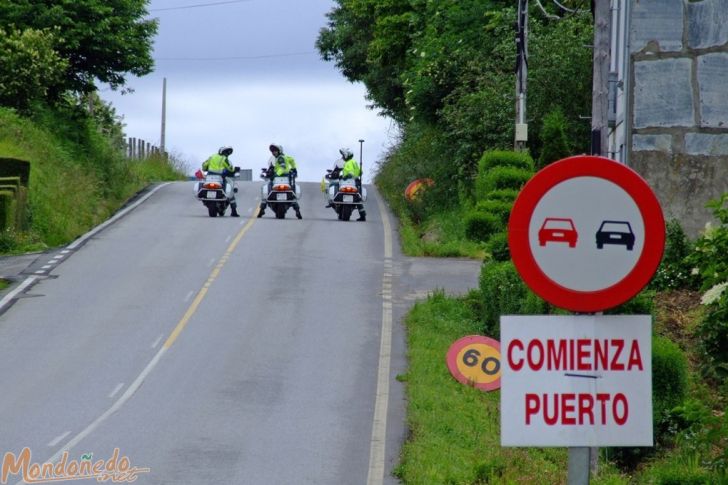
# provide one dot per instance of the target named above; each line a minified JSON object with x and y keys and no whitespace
{"x":615,"y":232}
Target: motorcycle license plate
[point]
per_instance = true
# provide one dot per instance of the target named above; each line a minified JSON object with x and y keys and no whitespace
{"x":348,"y":198}
{"x":282,"y":196}
{"x":211,"y":194}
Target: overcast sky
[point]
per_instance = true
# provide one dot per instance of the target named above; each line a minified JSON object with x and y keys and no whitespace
{"x":247,"y":74}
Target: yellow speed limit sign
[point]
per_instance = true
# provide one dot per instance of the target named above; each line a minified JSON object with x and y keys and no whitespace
{"x":475,"y":361}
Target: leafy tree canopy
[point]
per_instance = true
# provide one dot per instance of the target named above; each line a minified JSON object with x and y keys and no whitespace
{"x":99,"y":39}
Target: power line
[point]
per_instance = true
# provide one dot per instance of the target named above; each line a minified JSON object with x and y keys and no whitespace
{"x":235,"y":58}
{"x":199,"y":5}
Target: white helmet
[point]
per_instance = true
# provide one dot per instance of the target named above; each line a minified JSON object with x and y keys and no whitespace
{"x":276,"y":146}
{"x":346,"y":153}
{"x":225,"y":151}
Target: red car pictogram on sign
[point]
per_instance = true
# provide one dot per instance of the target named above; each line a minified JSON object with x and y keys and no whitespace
{"x":557,"y":229}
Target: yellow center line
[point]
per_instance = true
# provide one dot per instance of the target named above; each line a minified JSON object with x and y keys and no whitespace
{"x":210,"y":279}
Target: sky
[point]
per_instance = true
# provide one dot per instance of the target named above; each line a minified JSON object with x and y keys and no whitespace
{"x":246,"y":73}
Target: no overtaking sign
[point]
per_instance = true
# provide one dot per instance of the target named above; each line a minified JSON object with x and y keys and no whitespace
{"x":586,"y":233}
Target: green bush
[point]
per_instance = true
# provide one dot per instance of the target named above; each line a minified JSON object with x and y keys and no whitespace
{"x":713,"y":334}
{"x":554,"y":139}
{"x":710,"y":256}
{"x":479,"y":226}
{"x":675,"y":271}
{"x":641,"y":304}
{"x":499,"y":178}
{"x":502,"y":195}
{"x":498,"y":247}
{"x":669,"y":389}
{"x":497,"y":158}
{"x":504,"y":293}
{"x":502,"y":210}
{"x":669,"y":379}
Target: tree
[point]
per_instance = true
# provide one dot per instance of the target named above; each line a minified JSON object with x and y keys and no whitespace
{"x":29,"y":66}
{"x":99,"y":39}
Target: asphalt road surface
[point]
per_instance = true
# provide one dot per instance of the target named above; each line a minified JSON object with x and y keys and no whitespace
{"x":215,"y":350}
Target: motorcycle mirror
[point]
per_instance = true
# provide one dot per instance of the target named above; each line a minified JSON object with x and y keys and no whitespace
{"x":237,"y":169}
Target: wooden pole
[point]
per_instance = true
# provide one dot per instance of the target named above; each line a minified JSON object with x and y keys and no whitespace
{"x":600,"y":83}
{"x":164,"y":115}
{"x":521,"y":128}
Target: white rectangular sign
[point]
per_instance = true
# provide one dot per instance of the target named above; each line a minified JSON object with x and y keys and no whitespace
{"x":576,"y":380}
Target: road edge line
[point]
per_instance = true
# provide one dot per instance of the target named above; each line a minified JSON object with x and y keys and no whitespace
{"x":377,"y":456}
{"x":16,"y":291}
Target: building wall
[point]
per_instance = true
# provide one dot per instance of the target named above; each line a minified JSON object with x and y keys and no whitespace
{"x":677,"y":106}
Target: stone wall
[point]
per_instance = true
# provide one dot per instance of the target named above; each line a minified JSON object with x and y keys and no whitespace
{"x":679,"y":69}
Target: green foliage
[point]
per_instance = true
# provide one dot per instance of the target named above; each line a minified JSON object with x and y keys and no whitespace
{"x":66,"y":150}
{"x":713,"y":334}
{"x":99,"y":39}
{"x":504,"y":293}
{"x":501,"y":158}
{"x":500,"y":178}
{"x":669,"y":379}
{"x":709,"y":257}
{"x":479,"y":226}
{"x":641,"y":304}
{"x":30,"y":66}
{"x":669,"y":389}
{"x":675,"y":270}
{"x":554,"y":138}
{"x":502,"y":210}
{"x":503,"y":195}
{"x":498,"y":247}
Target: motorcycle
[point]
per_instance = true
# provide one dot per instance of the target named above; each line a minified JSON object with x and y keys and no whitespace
{"x":216,"y":190}
{"x":344,"y":194}
{"x":279,"y":192}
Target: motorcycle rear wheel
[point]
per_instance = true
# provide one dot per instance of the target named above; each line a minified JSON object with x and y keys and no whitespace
{"x":212,"y":210}
{"x":280,"y":210}
{"x":346,"y":212}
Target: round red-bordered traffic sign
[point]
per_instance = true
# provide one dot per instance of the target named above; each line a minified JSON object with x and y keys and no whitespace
{"x":558,"y":243}
{"x":475,"y":361}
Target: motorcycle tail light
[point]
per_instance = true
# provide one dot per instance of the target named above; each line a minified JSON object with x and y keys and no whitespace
{"x":350,"y":190}
{"x":282,"y":187}
{"x":212,"y":185}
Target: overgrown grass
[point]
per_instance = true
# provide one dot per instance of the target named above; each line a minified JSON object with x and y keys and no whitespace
{"x":78,"y":178}
{"x":442,"y":235}
{"x":455,"y":431}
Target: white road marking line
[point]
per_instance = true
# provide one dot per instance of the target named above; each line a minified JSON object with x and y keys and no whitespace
{"x":25,"y":284}
{"x":156,"y":342}
{"x":58,"y":256}
{"x":47,"y":266}
{"x":377,"y":456}
{"x":114,"y":408}
{"x":65,"y":251}
{"x":212,"y":261}
{"x":116,"y":390}
{"x":227,"y":239}
{"x":40,"y":272}
{"x":115,"y":218}
{"x":58,"y":439}
{"x":189,"y":295}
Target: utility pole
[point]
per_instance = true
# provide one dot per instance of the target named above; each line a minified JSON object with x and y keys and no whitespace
{"x":164,"y":117}
{"x":361,"y":158}
{"x":521,"y":135}
{"x":600,"y":83}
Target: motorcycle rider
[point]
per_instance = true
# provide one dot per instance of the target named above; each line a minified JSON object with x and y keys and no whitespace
{"x":345,"y":168}
{"x":279,"y":165}
{"x":219,"y":163}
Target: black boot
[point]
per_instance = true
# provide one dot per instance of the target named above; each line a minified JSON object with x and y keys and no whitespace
{"x":298,"y":213}
{"x":362,"y":216}
{"x":234,"y":212}
{"x":261,"y":211}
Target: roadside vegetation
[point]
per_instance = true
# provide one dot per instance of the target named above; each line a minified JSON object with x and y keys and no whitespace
{"x":51,"y":116}
{"x":444,"y":72}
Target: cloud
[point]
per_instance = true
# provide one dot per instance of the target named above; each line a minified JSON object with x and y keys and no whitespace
{"x":312,"y":118}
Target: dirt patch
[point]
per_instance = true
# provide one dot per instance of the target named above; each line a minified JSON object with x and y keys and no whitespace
{"x":678,"y":313}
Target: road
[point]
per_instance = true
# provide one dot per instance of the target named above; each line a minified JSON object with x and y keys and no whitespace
{"x":215,"y":350}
